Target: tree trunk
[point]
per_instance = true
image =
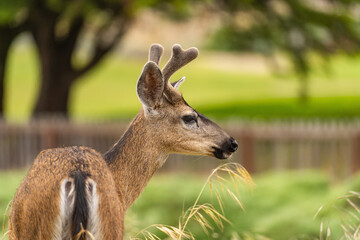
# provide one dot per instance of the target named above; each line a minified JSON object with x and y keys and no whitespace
{"x":54,"y":93}
{"x":55,"y":53}
{"x":4,"y":47}
{"x":57,"y":74}
{"x":56,"y":79}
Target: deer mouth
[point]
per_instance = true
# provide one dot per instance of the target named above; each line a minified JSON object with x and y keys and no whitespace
{"x":220,"y":154}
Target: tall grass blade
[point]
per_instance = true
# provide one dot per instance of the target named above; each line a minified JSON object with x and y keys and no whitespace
{"x":206,"y":214}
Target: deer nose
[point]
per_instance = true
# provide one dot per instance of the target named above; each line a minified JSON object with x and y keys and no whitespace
{"x":233,"y":145}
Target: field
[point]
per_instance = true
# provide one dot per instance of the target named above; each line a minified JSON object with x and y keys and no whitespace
{"x":280,"y":206}
{"x":223,"y":87}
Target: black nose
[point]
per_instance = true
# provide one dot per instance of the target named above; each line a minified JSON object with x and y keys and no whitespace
{"x":233,"y":145}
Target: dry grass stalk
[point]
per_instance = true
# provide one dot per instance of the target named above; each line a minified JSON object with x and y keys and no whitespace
{"x":82,"y":232}
{"x":5,"y":218}
{"x":205,"y":214}
{"x":349,"y":214}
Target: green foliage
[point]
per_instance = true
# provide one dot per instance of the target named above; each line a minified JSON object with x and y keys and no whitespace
{"x":174,"y":9}
{"x":297,"y":28}
{"x":10,"y":10}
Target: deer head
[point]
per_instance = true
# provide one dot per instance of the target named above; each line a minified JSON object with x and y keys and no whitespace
{"x":178,"y":127}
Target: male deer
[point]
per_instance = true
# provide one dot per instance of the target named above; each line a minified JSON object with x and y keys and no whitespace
{"x":74,"y":188}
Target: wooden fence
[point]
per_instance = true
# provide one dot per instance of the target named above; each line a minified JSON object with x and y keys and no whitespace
{"x":331,"y":146}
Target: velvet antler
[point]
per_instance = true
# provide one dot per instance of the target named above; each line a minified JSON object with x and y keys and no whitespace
{"x":155,"y":53}
{"x":179,"y":58}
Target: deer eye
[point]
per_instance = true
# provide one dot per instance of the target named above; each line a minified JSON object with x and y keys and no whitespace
{"x":189,"y":119}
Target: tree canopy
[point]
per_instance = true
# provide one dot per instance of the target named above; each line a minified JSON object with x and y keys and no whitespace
{"x":297,"y":28}
{"x":58,"y":28}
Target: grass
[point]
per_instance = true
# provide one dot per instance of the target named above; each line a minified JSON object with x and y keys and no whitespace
{"x":206,"y":215}
{"x":231,"y":92}
{"x":281,"y":206}
{"x":9,"y":181}
{"x":344,"y":107}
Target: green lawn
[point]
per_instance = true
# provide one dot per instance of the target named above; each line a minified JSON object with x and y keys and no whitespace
{"x":281,"y":206}
{"x":9,"y":181}
{"x":108,"y":92}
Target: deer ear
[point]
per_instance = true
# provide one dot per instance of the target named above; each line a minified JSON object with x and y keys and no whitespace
{"x":150,"y":86}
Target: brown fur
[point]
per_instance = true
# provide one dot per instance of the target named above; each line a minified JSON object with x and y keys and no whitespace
{"x":123,"y":172}
{"x":36,"y":203}
{"x":134,"y":164}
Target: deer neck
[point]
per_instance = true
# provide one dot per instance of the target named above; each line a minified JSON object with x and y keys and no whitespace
{"x":134,"y":159}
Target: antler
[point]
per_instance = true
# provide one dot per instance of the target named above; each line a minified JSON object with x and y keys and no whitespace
{"x":155,"y":53}
{"x":179,"y":58}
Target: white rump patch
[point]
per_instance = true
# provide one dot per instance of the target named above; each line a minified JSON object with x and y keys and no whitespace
{"x":92,"y":197}
{"x":66,"y":206}
{"x":62,"y":229}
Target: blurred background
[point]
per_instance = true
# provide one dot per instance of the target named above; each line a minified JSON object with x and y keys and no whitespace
{"x":282,"y":76}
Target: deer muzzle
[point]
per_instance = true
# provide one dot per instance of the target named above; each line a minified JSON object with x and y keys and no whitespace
{"x":226,"y":149}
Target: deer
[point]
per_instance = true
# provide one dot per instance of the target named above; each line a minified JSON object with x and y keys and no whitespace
{"x":70,"y":192}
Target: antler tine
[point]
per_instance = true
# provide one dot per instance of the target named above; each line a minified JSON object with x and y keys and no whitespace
{"x":179,"y":58}
{"x":155,"y":53}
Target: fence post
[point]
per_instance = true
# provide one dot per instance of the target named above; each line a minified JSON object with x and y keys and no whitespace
{"x":247,"y":150}
{"x":355,"y":164}
{"x":49,"y":137}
